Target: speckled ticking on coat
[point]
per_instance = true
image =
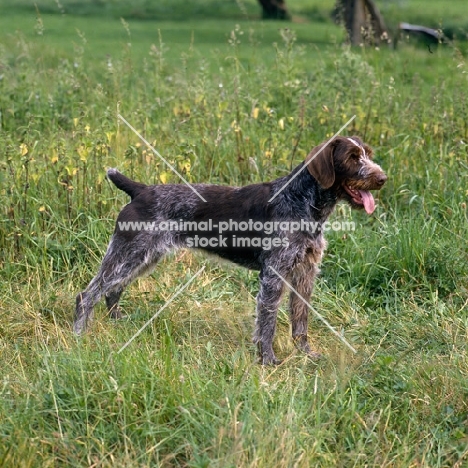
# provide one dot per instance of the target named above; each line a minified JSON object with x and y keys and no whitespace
{"x":341,"y":169}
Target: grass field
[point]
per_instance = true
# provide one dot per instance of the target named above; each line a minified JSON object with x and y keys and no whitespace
{"x":231,"y":100}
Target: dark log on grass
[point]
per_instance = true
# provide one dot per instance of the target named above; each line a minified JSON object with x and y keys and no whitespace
{"x":429,"y":34}
{"x":274,"y":9}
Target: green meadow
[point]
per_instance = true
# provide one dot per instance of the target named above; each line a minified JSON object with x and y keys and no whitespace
{"x":229,"y":99}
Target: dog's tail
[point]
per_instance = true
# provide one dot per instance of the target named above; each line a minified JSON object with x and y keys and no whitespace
{"x":124,"y":183}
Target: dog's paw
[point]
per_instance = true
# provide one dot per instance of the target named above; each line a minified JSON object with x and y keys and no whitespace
{"x":314,"y":355}
{"x":270,"y":360}
{"x":116,"y":314}
{"x":79,"y":328}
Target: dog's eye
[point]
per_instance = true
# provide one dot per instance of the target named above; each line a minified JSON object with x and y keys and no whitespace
{"x":354,"y":155}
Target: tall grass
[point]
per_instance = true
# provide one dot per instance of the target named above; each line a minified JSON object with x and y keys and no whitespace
{"x":188,"y":391}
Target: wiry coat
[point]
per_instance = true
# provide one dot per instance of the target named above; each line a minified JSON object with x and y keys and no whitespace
{"x":343,"y":170}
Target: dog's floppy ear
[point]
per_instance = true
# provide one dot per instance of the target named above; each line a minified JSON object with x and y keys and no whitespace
{"x":321,"y":164}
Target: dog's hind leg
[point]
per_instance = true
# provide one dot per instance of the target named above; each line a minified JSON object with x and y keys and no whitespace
{"x":123,"y":262}
{"x":112,"y":303}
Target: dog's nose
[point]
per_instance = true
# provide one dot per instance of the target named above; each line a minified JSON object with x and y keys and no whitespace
{"x":381,"y":179}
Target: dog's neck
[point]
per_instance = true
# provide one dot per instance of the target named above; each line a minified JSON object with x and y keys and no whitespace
{"x":315,"y":202}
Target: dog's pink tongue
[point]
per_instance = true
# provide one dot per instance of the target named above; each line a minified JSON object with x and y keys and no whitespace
{"x":368,"y":201}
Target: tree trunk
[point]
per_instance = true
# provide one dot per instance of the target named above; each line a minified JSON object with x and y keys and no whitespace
{"x":274,"y":9}
{"x":363,"y":21}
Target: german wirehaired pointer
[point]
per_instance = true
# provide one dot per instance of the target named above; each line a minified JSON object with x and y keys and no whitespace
{"x":264,"y":227}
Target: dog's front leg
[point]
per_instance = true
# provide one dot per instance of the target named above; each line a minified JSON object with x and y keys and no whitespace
{"x":268,"y":300}
{"x":302,"y":280}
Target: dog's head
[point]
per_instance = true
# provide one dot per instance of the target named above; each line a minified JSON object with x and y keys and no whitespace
{"x":345,"y":165}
